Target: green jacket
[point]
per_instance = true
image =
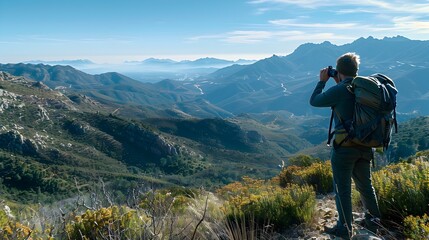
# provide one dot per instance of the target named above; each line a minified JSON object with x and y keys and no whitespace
{"x":338,"y":97}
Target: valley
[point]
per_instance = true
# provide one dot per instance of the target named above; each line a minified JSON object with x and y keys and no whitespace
{"x":240,"y":120}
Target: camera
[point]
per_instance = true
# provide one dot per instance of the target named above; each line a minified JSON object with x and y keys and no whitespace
{"x":332,"y":72}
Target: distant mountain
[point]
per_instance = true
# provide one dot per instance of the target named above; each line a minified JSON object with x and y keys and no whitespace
{"x":116,"y":88}
{"x":150,"y":69}
{"x":207,"y":62}
{"x":272,"y":84}
{"x":153,"y":69}
{"x":285,"y":83}
{"x":157,"y":61}
{"x":77,"y":63}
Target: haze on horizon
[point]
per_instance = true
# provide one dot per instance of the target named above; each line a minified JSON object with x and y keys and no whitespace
{"x":134,"y":30}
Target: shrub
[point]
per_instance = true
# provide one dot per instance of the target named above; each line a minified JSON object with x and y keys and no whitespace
{"x":164,"y":201}
{"x":403,"y":189}
{"x":98,"y":224}
{"x":302,"y":160}
{"x":416,"y":227}
{"x":318,"y":175}
{"x":15,"y":230}
{"x":267,"y":203}
{"x":10,"y":228}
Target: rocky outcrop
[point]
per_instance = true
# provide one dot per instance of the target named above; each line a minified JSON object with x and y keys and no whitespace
{"x":76,"y":127}
{"x":14,"y":141}
{"x":255,"y":137}
{"x":41,"y":85}
{"x":150,"y":141}
{"x":3,"y":75}
{"x":43,"y":113}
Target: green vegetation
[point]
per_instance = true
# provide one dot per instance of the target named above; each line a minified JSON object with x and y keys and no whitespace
{"x":417,"y":227}
{"x":411,"y":138}
{"x":250,"y":208}
{"x":318,"y":175}
{"x":403,"y":188}
{"x":267,"y":203}
{"x":116,"y":220}
{"x":55,"y":148}
{"x":48,"y":142}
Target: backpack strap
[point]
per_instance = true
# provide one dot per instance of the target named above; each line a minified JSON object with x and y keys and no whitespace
{"x":331,"y":133}
{"x":394,"y":120}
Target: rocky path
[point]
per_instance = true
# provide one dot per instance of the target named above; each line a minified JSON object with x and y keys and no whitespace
{"x":326,"y":215}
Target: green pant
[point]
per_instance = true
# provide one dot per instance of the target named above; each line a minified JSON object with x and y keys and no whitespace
{"x":348,"y":163}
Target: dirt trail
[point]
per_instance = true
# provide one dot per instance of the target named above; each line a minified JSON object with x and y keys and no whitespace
{"x":326,"y":215}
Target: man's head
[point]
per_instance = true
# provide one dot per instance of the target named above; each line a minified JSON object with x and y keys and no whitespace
{"x":348,"y":64}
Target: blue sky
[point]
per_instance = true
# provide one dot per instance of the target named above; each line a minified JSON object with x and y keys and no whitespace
{"x":113,"y":31}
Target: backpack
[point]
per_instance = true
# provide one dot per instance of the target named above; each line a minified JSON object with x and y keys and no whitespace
{"x":374,"y":112}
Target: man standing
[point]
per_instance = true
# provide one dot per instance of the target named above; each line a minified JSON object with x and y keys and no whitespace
{"x":348,"y":160}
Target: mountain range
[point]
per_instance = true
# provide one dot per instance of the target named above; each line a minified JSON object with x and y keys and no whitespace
{"x":286,"y":82}
{"x":151,"y":69}
{"x":272,"y":84}
{"x":239,"y":120}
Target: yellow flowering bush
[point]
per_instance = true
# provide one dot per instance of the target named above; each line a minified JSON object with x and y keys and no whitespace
{"x":166,"y":200}
{"x":417,"y":227}
{"x":98,"y":224}
{"x":403,"y":189}
{"x":10,"y":228}
{"x":318,"y":175}
{"x":266,"y":203}
{"x":15,"y":230}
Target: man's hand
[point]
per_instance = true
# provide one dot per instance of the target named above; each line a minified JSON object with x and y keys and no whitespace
{"x":324,"y":77}
{"x":337,"y":78}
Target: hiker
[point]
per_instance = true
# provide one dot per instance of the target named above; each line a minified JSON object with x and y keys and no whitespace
{"x":348,"y":160}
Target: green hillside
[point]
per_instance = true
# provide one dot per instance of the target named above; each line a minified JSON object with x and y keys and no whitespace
{"x":412,"y":137}
{"x":54,"y":141}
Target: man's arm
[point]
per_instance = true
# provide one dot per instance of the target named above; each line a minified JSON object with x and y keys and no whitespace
{"x":323,"y":99}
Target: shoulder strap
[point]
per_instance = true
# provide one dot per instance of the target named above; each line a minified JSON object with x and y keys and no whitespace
{"x":330,"y":134}
{"x":394,"y":120}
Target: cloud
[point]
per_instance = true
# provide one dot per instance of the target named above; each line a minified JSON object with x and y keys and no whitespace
{"x":247,"y":36}
{"x":410,"y":24}
{"x":354,"y":16}
{"x":342,"y":21}
{"x":294,"y":23}
{"x":301,"y":3}
{"x":391,"y":6}
{"x":252,"y":37}
{"x":316,"y":37}
{"x":203,"y":37}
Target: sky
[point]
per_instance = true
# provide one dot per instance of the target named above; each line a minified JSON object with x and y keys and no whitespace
{"x":114,"y":31}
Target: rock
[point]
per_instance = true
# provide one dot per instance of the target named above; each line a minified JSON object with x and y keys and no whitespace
{"x":75,"y":127}
{"x":14,"y":141}
{"x":155,"y":143}
{"x":255,"y":137}
{"x":40,"y":85}
{"x":43,"y":113}
{"x":365,"y":236}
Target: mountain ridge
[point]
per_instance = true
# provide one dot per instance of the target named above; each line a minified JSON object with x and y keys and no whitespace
{"x":291,"y":78}
{"x":274,"y":83}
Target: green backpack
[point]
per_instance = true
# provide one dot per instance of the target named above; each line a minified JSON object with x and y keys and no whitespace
{"x":374,"y":112}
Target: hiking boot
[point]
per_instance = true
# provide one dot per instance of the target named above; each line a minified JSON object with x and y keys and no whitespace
{"x":336,"y":231}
